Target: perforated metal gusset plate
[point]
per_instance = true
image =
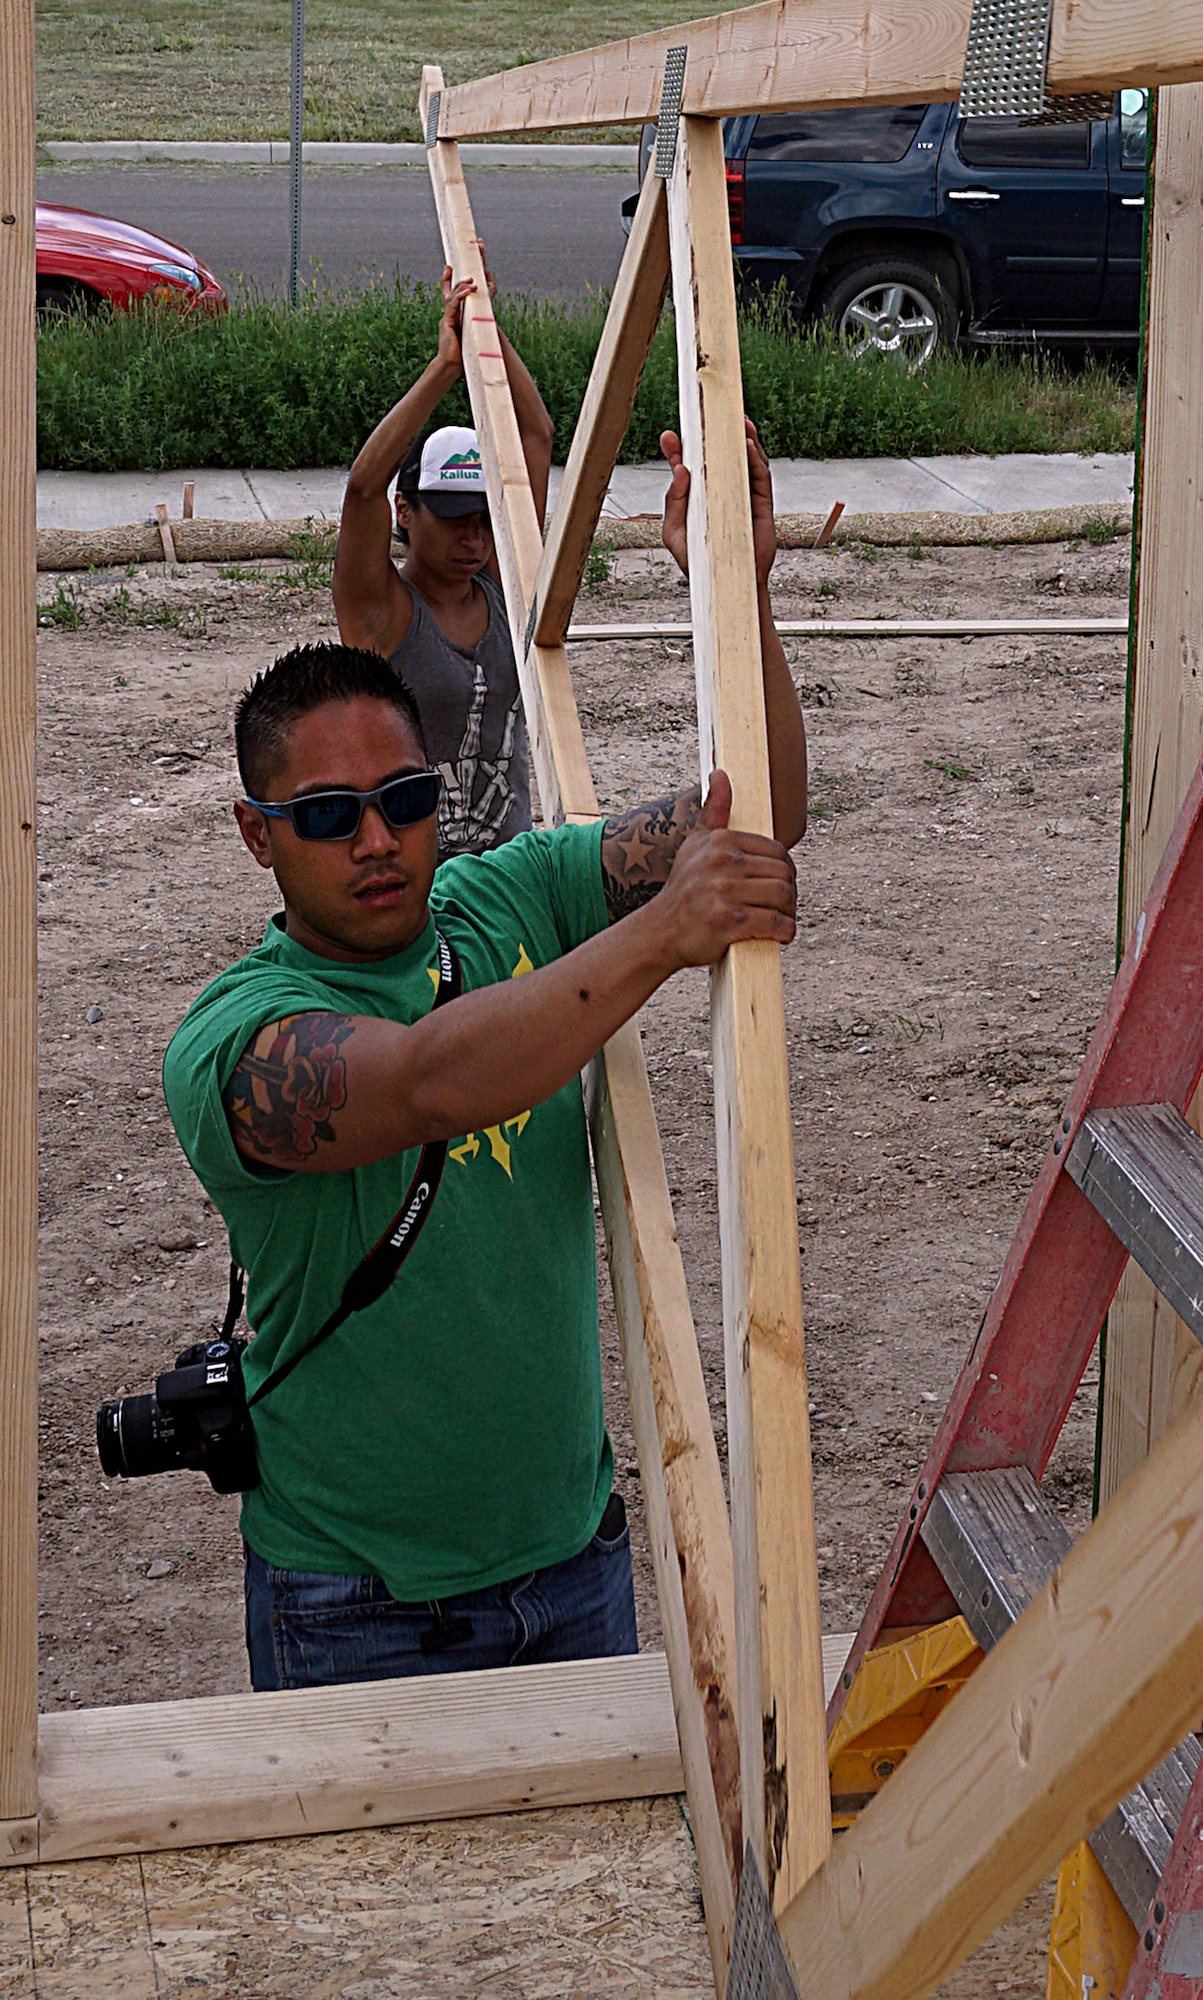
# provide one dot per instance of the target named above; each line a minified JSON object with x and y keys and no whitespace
{"x":759,"y":1969}
{"x":669,"y":112}
{"x":1005,"y":59}
{"x":1005,"y":63}
{"x":432,"y":117}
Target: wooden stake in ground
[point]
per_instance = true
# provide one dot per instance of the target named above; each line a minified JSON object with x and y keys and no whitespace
{"x":18,"y":1020}
{"x":783,"y":1736}
{"x":687,"y":1517}
{"x":165,"y":533}
{"x":1153,"y":1362}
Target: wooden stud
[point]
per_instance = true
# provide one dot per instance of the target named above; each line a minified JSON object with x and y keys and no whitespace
{"x":789,"y":55}
{"x":670,"y":1415}
{"x":1153,"y":1362}
{"x":631,"y":324}
{"x":783,"y":1754}
{"x":687,"y":1523}
{"x":18,"y":1017}
{"x":189,"y":498}
{"x":875,"y":628}
{"x":1083,"y":1696}
{"x":553,"y":727}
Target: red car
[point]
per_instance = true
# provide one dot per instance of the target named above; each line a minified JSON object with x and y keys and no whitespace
{"x":84,"y":259}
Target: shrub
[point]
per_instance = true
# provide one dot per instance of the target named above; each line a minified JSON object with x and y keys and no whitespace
{"x":270,"y":386}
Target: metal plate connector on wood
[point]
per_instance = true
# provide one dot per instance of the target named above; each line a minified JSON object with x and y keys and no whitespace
{"x":432,"y":117}
{"x":1142,"y":1168}
{"x":758,"y":1968}
{"x":1006,"y":58}
{"x":668,"y":116}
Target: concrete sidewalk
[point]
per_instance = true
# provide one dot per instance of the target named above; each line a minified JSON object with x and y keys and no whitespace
{"x":801,"y":486}
{"x":338,"y":153}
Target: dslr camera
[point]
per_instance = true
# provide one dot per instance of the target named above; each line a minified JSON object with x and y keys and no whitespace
{"x":197,"y":1418}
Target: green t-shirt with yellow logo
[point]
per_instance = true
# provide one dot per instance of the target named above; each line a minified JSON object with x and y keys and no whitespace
{"x":451,"y":1435}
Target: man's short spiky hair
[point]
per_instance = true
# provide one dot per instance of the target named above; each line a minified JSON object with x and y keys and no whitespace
{"x":300,"y":681}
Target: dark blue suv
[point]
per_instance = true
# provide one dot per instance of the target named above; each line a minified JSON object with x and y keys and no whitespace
{"x":911,"y":226}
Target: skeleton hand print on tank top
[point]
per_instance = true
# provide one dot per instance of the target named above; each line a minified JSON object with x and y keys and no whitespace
{"x":468,"y":818}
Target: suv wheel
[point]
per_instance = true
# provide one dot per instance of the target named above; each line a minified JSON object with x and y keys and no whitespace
{"x":889,"y":307}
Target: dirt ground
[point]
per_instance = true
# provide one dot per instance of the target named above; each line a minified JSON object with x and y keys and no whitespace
{"x":956,"y":938}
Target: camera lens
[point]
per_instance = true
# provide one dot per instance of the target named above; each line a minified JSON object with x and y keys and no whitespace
{"x":134,"y":1437}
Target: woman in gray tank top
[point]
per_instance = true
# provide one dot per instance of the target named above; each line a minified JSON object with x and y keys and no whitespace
{"x":440,"y":619}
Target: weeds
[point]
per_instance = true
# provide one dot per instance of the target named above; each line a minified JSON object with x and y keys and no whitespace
{"x":1099,"y":529}
{"x":947,"y":768}
{"x":239,"y":573}
{"x":265,"y":385}
{"x":63,"y":610}
{"x":599,"y":564}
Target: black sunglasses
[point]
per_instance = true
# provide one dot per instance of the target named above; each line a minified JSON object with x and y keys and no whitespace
{"x":337,"y":815}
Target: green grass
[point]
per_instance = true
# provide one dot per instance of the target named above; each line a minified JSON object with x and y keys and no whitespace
{"x":266,"y":386}
{"x":218,"y":69}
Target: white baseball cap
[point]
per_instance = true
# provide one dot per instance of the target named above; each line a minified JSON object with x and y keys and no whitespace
{"x":451,"y":478}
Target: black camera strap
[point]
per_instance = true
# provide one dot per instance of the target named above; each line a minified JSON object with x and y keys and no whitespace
{"x":372,"y":1277}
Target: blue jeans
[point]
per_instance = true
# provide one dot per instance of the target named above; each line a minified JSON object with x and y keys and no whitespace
{"x":309,"y":1630}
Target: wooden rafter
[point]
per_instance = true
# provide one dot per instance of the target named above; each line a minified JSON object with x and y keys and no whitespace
{"x":18,"y":1016}
{"x":631,"y":323}
{"x":675,"y":1442}
{"x":783,"y":1736}
{"x":787,"y":55}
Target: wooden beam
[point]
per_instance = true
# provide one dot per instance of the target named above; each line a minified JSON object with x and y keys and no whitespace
{"x":688,"y":1529}
{"x":317,"y":1760}
{"x":780,"y":54}
{"x":553,"y":727}
{"x":1152,"y":1360}
{"x":1096,"y":1682}
{"x":18,"y":1018}
{"x":669,"y":1412}
{"x":875,"y":628}
{"x":786,"y":55}
{"x":783,"y":1737}
{"x":1124,"y":44}
{"x":631,"y":323}
{"x":169,"y":1774}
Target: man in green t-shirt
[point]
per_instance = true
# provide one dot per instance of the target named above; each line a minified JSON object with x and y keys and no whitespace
{"x":435,"y":1477}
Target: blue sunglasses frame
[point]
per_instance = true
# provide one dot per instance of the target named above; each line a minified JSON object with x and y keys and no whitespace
{"x":418,"y":799}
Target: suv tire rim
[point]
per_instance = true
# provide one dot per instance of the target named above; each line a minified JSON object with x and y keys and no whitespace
{"x":893,"y":319}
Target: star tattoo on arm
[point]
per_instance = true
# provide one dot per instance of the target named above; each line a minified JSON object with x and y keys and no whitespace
{"x":288,"y":1084}
{"x":639,"y":848}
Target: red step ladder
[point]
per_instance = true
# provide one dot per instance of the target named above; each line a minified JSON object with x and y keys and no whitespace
{"x":1123,"y":1176}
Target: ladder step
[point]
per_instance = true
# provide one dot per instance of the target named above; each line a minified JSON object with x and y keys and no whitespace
{"x":997,"y":1541}
{"x":1142,"y":1168}
{"x":1133,"y":1845}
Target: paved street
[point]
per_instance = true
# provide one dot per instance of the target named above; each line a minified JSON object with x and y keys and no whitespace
{"x":548,"y":230}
